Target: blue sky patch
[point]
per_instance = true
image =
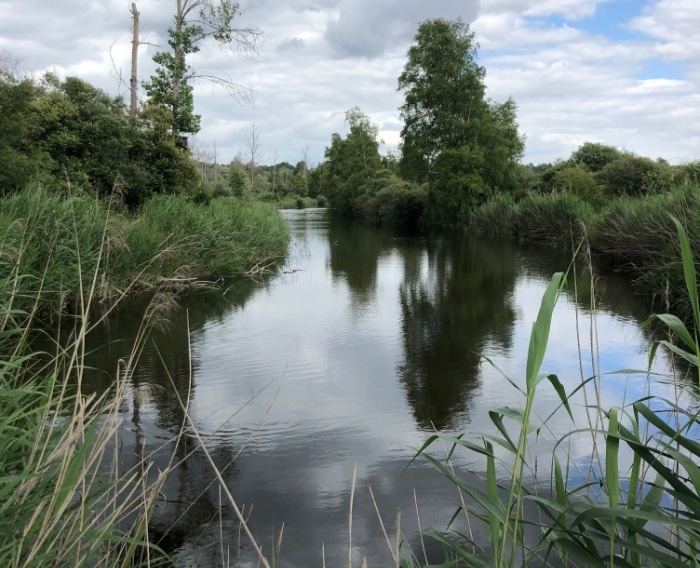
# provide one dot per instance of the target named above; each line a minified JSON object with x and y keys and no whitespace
{"x":658,"y":69}
{"x":610,"y":19}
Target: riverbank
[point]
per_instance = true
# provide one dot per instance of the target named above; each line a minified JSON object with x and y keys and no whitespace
{"x":365,"y":379}
{"x":634,"y":235}
{"x":66,"y":496}
{"x":56,"y":251}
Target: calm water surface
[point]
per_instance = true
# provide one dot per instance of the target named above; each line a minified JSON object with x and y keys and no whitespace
{"x":346,"y":361}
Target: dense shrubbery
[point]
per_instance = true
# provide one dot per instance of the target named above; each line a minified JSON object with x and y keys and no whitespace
{"x":70,"y":134}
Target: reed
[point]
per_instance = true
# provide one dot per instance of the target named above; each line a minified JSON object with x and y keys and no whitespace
{"x":55,"y":244}
{"x":640,"y":513}
{"x":64,"y":500}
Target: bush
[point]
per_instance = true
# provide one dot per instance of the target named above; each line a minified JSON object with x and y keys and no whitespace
{"x":628,"y":175}
{"x":579,"y":182}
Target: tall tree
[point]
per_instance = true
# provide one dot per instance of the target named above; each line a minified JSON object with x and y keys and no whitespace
{"x":352,"y":161}
{"x":463,"y":145}
{"x":196,"y":21}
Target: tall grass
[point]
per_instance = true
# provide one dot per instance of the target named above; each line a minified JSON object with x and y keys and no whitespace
{"x":632,"y":234}
{"x":639,"y":512}
{"x":64,"y":500}
{"x":639,"y":236}
{"x":558,"y":219}
{"x":55,"y":245}
{"x":64,"y":497}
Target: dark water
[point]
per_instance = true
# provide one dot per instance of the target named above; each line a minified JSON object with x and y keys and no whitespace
{"x":346,"y":362}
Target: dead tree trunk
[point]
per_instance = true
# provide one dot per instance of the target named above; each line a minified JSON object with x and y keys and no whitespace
{"x":134,"y":82}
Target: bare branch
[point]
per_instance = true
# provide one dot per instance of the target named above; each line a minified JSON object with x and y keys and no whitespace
{"x":241,"y":93}
{"x":9,"y":63}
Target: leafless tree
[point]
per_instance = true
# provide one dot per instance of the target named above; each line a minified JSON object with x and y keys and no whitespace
{"x":135,"y":42}
{"x":9,"y":63}
{"x":251,"y":139}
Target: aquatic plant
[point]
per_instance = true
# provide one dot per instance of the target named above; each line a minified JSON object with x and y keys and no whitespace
{"x":643,"y":512}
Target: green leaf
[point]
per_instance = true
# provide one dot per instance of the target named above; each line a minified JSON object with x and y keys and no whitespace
{"x":612,"y":467}
{"x":540,"y":330}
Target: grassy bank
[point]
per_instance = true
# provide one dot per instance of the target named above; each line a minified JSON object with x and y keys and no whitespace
{"x":633,"y":234}
{"x":59,"y":249}
{"x":65,"y":499}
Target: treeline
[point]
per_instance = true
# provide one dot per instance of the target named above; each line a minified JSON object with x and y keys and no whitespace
{"x":460,"y":150}
{"x":67,"y":133}
{"x":459,"y":167}
{"x":283,"y":183}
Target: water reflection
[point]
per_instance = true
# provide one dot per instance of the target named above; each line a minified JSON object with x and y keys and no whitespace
{"x":369,"y":339}
{"x":455,"y":298}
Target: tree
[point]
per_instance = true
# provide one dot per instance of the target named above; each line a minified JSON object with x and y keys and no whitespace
{"x":19,"y":156}
{"x":352,"y":162}
{"x":595,"y":156}
{"x":444,"y":95}
{"x":251,"y":138}
{"x":237,"y":180}
{"x":196,"y":21}
{"x":464,"y":146}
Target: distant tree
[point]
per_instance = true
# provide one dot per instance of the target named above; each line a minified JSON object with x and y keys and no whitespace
{"x":629,"y":175}
{"x":352,"y":162}
{"x":595,"y":156}
{"x":19,"y":156}
{"x":87,"y":139}
{"x":251,"y":139}
{"x":237,"y":180}
{"x":194,"y":22}
{"x":580,"y":181}
{"x":462,"y":145}
{"x":301,"y":168}
{"x":298,"y":185}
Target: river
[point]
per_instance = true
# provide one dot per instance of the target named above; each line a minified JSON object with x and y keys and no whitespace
{"x":342,"y":365}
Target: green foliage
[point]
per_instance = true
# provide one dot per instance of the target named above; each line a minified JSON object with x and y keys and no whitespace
{"x":395,"y":202}
{"x":351,"y":163}
{"x":298,"y":185}
{"x":464,"y":146}
{"x":495,"y":218}
{"x":458,"y":186}
{"x":629,"y":175}
{"x":20,"y":159}
{"x":639,"y":237}
{"x":595,"y":156}
{"x":237,"y":181}
{"x":444,"y":95}
{"x":194,"y":21}
{"x":580,"y":182}
{"x":557,"y":219}
{"x":60,"y":243}
{"x":71,"y":134}
{"x":169,"y":86}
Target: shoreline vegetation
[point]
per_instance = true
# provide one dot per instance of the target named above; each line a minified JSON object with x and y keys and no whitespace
{"x":97,"y":203}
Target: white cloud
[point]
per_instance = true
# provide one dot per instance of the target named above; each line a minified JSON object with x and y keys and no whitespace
{"x":322,"y":57}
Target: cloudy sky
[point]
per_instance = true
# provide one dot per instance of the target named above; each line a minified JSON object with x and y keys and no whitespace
{"x":621,"y":72}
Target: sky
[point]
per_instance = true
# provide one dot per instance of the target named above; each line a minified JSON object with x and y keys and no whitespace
{"x":620,"y":72}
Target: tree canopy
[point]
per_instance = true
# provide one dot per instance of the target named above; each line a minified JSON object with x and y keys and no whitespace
{"x":463,"y":145}
{"x":194,"y":22}
{"x":352,"y":161}
{"x":69,"y":133}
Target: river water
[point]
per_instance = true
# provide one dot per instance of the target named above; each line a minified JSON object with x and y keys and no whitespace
{"x":341,"y":366}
